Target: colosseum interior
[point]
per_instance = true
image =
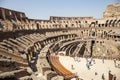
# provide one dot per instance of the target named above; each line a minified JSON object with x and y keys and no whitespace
{"x":32,"y":49}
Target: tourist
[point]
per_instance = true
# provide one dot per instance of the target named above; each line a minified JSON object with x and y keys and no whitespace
{"x":91,"y":59}
{"x":103,"y":60}
{"x":103,"y":77}
{"x":118,"y":65}
{"x":114,"y":77}
{"x":87,"y":60}
{"x":94,"y":61}
{"x":88,"y":66}
{"x":78,"y":59}
{"x":72,"y":67}
{"x":96,"y":73}
{"x":75,"y":58}
{"x":90,"y":62}
{"x":109,"y":71}
{"x":115,"y":62}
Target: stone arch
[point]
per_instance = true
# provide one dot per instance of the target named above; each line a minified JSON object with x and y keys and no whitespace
{"x":118,"y":23}
{"x":103,"y":25}
{"x":104,"y":34}
{"x":114,"y":23}
{"x":99,"y":25}
{"x":82,"y":33}
{"x":93,"y":32}
{"x":66,"y":26}
{"x":72,"y":25}
{"x":37,"y":26}
{"x":80,"y":24}
{"x":32,"y":27}
{"x":110,"y":23}
{"x":107,"y":23}
{"x":92,"y":24}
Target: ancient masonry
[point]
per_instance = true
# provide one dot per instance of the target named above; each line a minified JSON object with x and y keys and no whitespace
{"x":27,"y":45}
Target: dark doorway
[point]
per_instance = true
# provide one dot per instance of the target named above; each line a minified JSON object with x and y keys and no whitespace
{"x":37,"y":26}
{"x":66,"y":26}
{"x":91,"y":48}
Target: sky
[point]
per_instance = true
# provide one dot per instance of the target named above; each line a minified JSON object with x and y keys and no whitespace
{"x":43,"y":9}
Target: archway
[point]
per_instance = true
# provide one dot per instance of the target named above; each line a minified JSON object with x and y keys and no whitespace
{"x":91,"y":48}
{"x":92,"y":24}
{"x":66,"y":26}
{"x":118,"y":23}
{"x":37,"y":26}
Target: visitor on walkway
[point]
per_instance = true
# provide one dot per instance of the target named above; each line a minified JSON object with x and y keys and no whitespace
{"x":103,"y":60}
{"x":78,"y":59}
{"x":72,"y":67}
{"x":114,"y":77}
{"x":96,"y":73}
{"x":75,"y":58}
{"x":115,"y":62}
{"x":103,"y":77}
{"x":90,"y":62}
{"x":94,"y":61}
{"x":88,"y":66}
{"x":87,"y":60}
{"x":109,"y":71}
{"x":91,"y":59}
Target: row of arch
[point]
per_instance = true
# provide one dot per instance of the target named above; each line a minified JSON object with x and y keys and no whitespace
{"x":7,"y":25}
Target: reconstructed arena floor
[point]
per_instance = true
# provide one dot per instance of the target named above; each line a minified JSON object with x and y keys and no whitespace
{"x":79,"y":67}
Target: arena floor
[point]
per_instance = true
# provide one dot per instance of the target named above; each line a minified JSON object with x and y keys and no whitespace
{"x":79,"y":67}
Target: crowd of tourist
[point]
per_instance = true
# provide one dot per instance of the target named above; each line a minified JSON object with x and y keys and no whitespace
{"x":90,"y":62}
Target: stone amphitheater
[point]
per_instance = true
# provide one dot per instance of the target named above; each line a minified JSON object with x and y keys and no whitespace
{"x":32,"y":49}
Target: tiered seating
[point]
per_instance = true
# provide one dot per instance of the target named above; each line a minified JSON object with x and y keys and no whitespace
{"x":15,"y":74}
{"x":60,"y":69}
{"x":11,"y":69}
{"x":10,"y":55}
{"x":23,"y":50}
{"x":42,"y":61}
{"x":42,"y":64}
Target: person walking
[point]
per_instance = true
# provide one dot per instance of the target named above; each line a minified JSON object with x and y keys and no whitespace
{"x":114,"y":77}
{"x":96,"y":73}
{"x":103,"y":60}
{"x":88,"y":66}
{"x":103,"y":76}
{"x":115,"y":62}
{"x":72,"y":67}
{"x":94,"y":61}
